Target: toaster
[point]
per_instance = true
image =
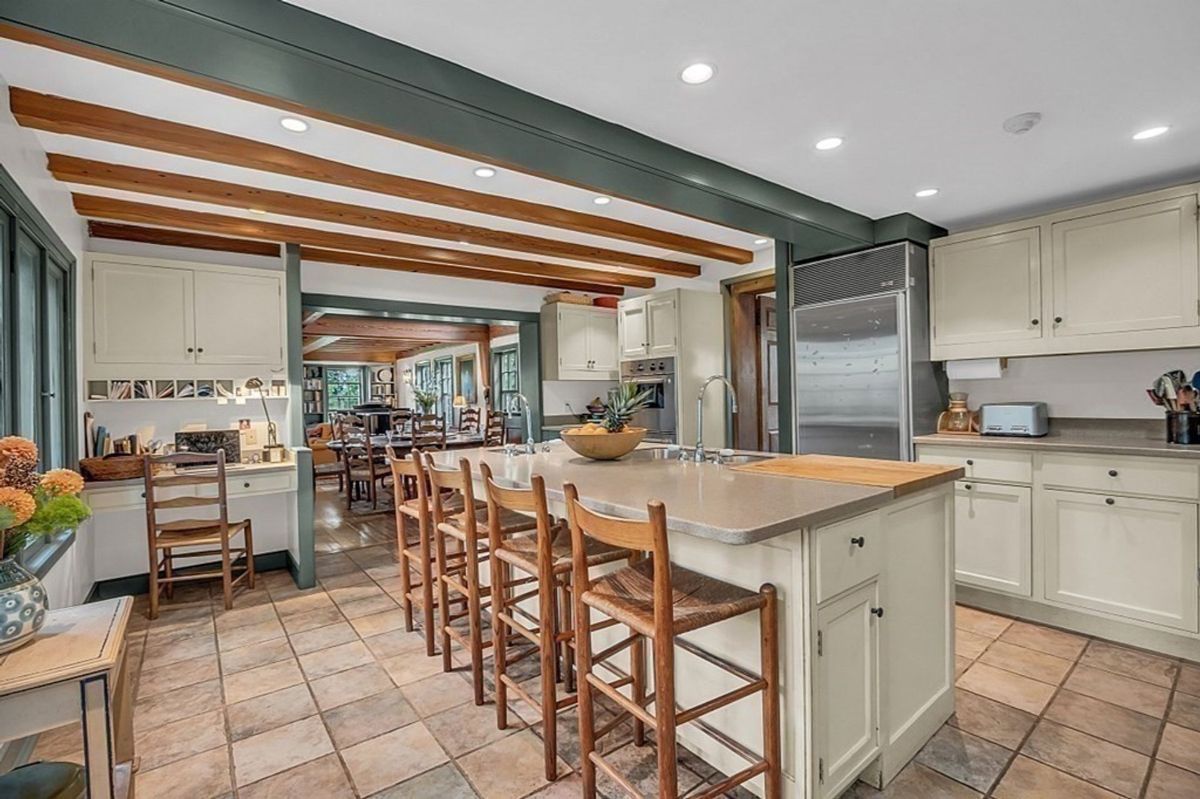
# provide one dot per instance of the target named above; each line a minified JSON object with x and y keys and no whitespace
{"x":1013,"y":419}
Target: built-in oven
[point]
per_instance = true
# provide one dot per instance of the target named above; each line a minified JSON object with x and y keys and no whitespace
{"x":658,"y":417}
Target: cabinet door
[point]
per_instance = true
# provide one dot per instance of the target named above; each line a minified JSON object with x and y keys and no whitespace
{"x":847,"y":732}
{"x":573,"y":331}
{"x":988,"y":289}
{"x":993,"y":527}
{"x":662,"y":326}
{"x":1132,"y":269}
{"x":239,"y":318}
{"x":1133,"y":558}
{"x":632,"y":328}
{"x":602,"y":343}
{"x":142,"y":314}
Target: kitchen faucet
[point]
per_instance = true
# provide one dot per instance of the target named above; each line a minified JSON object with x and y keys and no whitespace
{"x":518,"y":400}
{"x":698,"y":455}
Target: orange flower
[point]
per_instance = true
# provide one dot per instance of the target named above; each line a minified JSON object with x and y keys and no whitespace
{"x":62,"y":481}
{"x":18,"y":448}
{"x":20,"y":504}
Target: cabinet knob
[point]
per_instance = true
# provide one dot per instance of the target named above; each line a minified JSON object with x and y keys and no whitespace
{"x":970,"y":462}
{"x":859,"y":541}
{"x":877,"y":612}
{"x":1058,"y":320}
{"x":1109,"y":501}
{"x":245,"y":485}
{"x":191,"y":349}
{"x":967,"y":486}
{"x":199,"y":349}
{"x":1033,"y":322}
{"x":1112,"y":472}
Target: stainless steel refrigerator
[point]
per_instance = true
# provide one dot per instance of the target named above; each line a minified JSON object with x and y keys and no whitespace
{"x":863,"y":383}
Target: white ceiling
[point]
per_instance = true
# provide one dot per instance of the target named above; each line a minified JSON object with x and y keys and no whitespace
{"x":43,"y":70}
{"x":918,"y":88}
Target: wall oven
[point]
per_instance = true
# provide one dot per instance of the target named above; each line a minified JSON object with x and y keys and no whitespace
{"x":658,"y":375}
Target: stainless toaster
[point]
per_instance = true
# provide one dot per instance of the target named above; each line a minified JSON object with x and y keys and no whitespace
{"x":1013,"y":419}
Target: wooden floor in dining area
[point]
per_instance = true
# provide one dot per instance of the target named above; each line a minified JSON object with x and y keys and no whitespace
{"x":321,"y":693}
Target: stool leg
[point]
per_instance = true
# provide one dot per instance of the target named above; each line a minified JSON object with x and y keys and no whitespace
{"x":587,"y":728}
{"x":439,"y":541}
{"x":426,"y":581}
{"x":475,"y":619}
{"x":168,"y":572}
{"x":248,"y":536}
{"x":664,"y":707}
{"x":405,"y":570}
{"x":153,"y":583}
{"x":500,"y":579}
{"x":637,"y":670}
{"x":548,"y":650}
{"x":566,"y":626}
{"x":769,"y":627}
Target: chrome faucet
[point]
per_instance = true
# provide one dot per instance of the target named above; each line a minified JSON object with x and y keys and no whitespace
{"x":518,"y":400}
{"x":698,"y":455}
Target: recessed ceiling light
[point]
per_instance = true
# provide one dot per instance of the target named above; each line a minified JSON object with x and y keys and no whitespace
{"x":927,"y":192}
{"x":484,"y":172}
{"x":761,"y":241}
{"x":1150,"y":133}
{"x":293,"y":124}
{"x":697,"y":73}
{"x":602,"y":200}
{"x":831,"y":143}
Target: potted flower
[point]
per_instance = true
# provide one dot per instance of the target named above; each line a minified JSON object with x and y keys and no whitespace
{"x":32,"y":506}
{"x":425,"y":398}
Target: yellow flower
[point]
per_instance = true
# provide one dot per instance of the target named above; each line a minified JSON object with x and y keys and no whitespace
{"x":62,"y":481}
{"x":18,"y":448}
{"x":19,"y":503}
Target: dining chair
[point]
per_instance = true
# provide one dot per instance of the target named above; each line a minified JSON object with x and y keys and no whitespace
{"x":364,"y":464}
{"x":213,"y":535}
{"x":399,"y":421}
{"x":428,"y":432}
{"x":494,"y":433}
{"x":468,"y":420}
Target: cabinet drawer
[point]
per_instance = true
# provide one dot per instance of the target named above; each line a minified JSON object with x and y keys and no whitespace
{"x":1004,"y":466}
{"x":848,"y":553}
{"x":271,"y":483}
{"x":1157,"y":477}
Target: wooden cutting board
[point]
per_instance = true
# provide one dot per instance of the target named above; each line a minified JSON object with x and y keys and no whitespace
{"x":900,"y":476}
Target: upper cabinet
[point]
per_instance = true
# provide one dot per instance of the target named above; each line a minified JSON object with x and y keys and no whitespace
{"x":1115,"y":276}
{"x":579,"y":342}
{"x":171,"y":319}
{"x":649,"y":326}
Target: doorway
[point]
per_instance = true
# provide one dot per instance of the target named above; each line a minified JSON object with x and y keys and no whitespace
{"x":753,"y":357}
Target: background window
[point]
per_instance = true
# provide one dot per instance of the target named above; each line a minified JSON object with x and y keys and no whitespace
{"x":344,"y":387}
{"x":506,"y":378}
{"x":443,"y":382}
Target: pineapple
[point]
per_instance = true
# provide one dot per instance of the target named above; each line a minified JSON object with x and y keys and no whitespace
{"x":623,"y":402}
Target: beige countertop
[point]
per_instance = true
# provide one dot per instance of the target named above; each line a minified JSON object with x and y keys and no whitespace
{"x":705,"y":500}
{"x":1100,"y":436}
{"x":232,"y":471}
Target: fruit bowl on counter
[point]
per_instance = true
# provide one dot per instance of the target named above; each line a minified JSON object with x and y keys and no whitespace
{"x":596,"y":442}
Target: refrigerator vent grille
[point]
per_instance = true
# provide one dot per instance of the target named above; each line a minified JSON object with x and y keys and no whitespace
{"x":858,"y":274}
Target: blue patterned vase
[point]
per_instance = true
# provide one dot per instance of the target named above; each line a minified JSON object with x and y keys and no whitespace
{"x":23,"y":606}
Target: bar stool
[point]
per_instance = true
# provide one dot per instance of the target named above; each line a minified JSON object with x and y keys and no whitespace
{"x":413,"y":503}
{"x":661,"y":601}
{"x":545,"y":556}
{"x":459,"y":519}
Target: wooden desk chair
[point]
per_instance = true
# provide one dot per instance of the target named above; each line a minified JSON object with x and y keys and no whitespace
{"x":362,"y":463}
{"x":458,"y":572}
{"x":661,"y":601}
{"x":468,"y":420}
{"x":545,"y":556}
{"x":493,"y":435}
{"x":428,"y":432}
{"x":168,"y":536}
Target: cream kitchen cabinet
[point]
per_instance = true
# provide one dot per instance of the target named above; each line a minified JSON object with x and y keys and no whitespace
{"x":579,"y":342}
{"x":1120,"y":275}
{"x":149,"y":318}
{"x":649,"y":326}
{"x":993,"y":536}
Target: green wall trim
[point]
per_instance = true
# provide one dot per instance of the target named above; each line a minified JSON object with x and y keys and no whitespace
{"x":906,"y":227}
{"x":138,"y":584}
{"x":305,"y":572}
{"x":784,"y":257}
{"x":529,"y":356}
{"x":286,"y":53}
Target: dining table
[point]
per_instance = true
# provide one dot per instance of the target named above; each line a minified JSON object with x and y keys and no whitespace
{"x":403,"y":443}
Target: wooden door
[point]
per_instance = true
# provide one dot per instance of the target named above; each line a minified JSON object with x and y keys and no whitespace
{"x":847,"y":694}
{"x":239,"y":318}
{"x":602,"y":344}
{"x":142,"y":314}
{"x":987,"y":289}
{"x":632,"y":328}
{"x":662,"y":325}
{"x":573,"y":329}
{"x":1133,"y":558}
{"x":768,"y":375}
{"x":993,"y":526}
{"x":1131,"y":269}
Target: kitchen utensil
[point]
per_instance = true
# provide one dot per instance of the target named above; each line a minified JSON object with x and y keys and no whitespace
{"x":1157,"y":400}
{"x":958,"y":418}
{"x":1164,"y":387}
{"x":1183,"y":427}
{"x":1187,"y":397}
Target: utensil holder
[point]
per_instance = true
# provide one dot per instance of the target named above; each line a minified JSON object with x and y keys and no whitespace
{"x":1183,"y":427}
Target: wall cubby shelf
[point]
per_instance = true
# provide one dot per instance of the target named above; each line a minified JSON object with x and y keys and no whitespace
{"x":148,"y":390}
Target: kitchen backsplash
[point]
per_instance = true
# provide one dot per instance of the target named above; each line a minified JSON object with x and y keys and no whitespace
{"x":1110,"y":385}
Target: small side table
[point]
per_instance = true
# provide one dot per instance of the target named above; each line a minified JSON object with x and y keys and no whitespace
{"x":76,"y":671}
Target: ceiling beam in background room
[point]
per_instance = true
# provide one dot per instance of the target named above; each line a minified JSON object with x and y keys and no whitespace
{"x":73,"y":117}
{"x":366,"y":327}
{"x":71,"y":169}
{"x":94,"y":207}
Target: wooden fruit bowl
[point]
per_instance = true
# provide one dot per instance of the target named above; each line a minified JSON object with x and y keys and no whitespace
{"x":604,"y":446}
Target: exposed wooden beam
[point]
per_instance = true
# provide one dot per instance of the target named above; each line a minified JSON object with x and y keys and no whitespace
{"x":400,"y":265}
{"x":148,"y":213}
{"x":495,"y":331}
{"x":62,"y":115}
{"x":84,"y":171}
{"x":320,"y":342}
{"x":351,"y":357}
{"x":370,"y":327}
{"x":311,"y":316}
{"x":179,"y":238}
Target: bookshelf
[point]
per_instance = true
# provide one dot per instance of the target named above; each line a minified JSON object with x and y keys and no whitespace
{"x":313,"y":395}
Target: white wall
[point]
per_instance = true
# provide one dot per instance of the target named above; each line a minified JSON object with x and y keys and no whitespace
{"x":1110,"y":385}
{"x":404,"y":391}
{"x":556,"y":394}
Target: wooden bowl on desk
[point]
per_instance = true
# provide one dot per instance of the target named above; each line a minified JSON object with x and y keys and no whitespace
{"x":604,"y":446}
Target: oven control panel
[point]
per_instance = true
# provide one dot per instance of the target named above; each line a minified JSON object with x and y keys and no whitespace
{"x":648,"y":366}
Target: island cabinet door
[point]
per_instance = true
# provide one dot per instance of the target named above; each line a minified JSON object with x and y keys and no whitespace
{"x":1126,"y":557}
{"x":847,"y":688}
{"x":993,"y":544}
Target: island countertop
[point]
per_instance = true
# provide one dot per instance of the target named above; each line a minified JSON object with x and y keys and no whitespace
{"x":705,"y":500}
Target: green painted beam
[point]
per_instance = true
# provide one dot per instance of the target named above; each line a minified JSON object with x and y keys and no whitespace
{"x":906,"y":227}
{"x":283,"y":52}
{"x":304,"y":570}
{"x":783,"y":336}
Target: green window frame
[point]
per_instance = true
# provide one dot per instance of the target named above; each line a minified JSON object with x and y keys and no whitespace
{"x":506,"y":377}
{"x":443,"y":384}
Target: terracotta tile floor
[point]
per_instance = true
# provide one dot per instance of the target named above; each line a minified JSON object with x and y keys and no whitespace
{"x":322,"y":693}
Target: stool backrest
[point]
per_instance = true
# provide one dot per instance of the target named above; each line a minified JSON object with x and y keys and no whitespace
{"x":522,"y":500}
{"x":444,"y":483}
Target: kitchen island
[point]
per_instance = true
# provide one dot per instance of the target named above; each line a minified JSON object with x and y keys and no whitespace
{"x":865,"y":581}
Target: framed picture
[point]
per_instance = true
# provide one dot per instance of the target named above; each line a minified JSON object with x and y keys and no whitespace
{"x":466,"y":378}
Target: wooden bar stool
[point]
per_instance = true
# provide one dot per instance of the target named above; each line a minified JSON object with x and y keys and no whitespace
{"x":416,"y":556}
{"x":661,"y":601}
{"x":545,"y":556}
{"x":459,"y":519}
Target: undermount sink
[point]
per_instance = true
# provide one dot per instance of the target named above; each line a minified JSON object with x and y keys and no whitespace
{"x":663,"y":454}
